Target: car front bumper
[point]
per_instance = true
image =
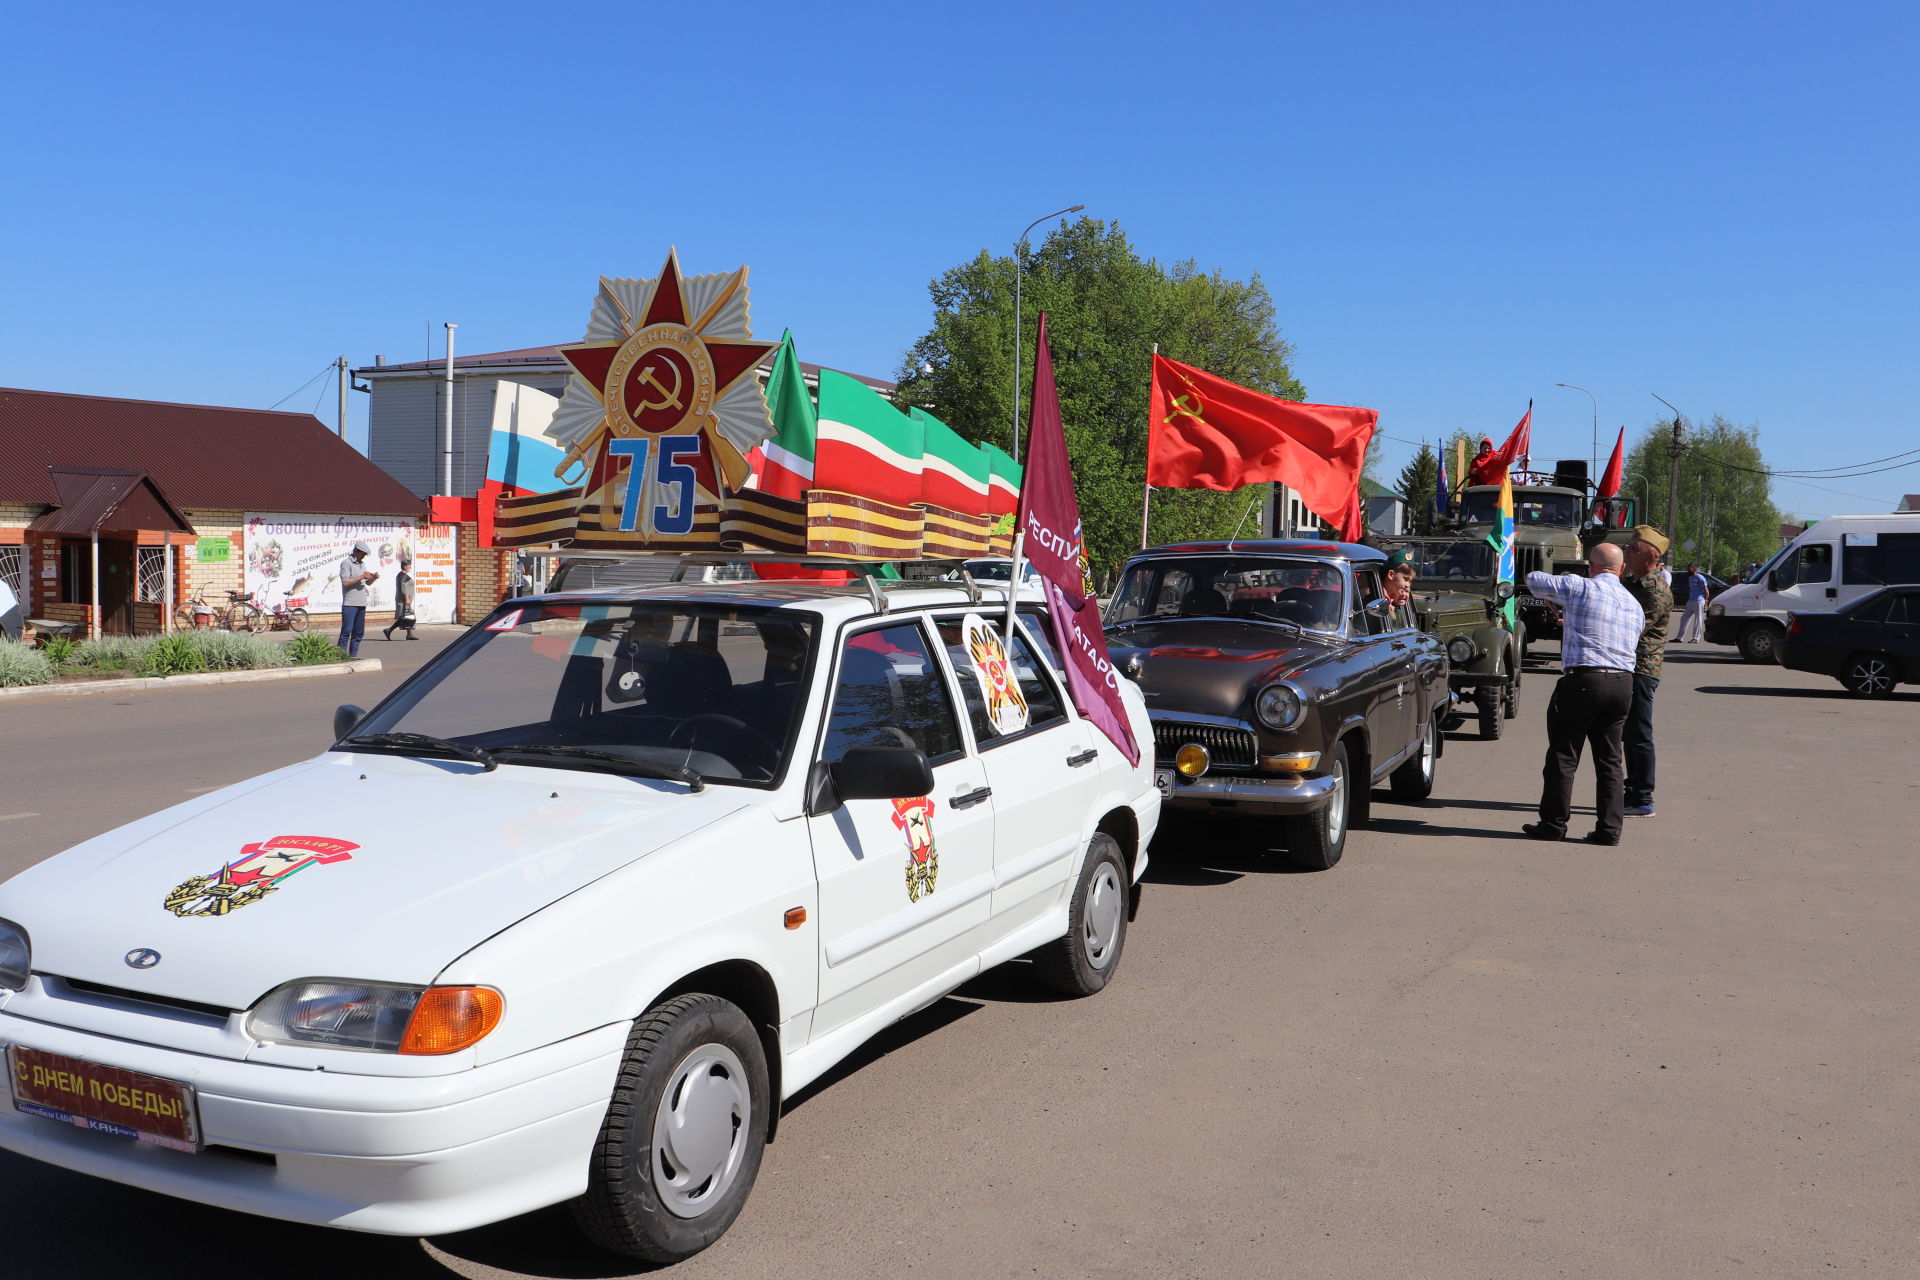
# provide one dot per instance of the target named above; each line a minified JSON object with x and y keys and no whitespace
{"x":1249,"y":793}
{"x":1724,"y":629}
{"x":408,"y":1155}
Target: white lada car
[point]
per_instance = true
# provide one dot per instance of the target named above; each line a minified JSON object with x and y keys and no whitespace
{"x":568,"y":915}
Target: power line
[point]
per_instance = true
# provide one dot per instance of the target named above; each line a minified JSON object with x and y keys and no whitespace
{"x":325,"y":369}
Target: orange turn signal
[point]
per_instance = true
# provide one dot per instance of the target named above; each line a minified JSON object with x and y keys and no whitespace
{"x":796,"y":916}
{"x":449,"y":1019}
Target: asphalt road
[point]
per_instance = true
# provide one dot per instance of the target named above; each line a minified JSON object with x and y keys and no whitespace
{"x":1459,"y":1053}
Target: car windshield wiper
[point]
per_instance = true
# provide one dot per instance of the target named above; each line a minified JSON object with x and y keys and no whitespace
{"x":645,"y":768}
{"x":426,"y":742}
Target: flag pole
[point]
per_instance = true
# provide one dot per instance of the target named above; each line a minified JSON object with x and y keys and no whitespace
{"x":1146,"y":490}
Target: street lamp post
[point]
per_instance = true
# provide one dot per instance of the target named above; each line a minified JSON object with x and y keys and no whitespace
{"x":1673,"y":473}
{"x":1019,"y":264}
{"x":1594,"y":461}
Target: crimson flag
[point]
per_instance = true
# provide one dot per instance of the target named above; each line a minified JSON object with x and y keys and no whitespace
{"x":1610,"y":481}
{"x":1204,"y":432}
{"x":1050,"y":523}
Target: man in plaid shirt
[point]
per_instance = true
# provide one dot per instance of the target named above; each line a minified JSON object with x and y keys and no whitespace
{"x":1600,"y":633}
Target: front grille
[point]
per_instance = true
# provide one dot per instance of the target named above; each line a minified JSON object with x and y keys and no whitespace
{"x":1230,"y":748}
{"x":212,"y":1014}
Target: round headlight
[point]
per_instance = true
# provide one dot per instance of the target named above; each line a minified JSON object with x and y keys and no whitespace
{"x":1192,"y":760}
{"x":1460,"y":651}
{"x":16,"y":956}
{"x":1279,"y":707}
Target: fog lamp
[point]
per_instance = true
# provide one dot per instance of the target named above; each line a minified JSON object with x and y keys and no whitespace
{"x":1192,"y":760}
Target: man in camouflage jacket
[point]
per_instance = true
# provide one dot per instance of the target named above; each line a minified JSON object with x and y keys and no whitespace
{"x":1646,"y":585}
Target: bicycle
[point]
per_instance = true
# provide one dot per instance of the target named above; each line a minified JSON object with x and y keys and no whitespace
{"x":191,"y":609}
{"x":245,"y":614}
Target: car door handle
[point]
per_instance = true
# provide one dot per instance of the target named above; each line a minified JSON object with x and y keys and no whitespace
{"x":972,"y":797}
{"x":1085,"y":757}
{"x":1833,"y":593}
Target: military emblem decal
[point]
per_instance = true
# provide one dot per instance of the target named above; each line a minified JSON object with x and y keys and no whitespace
{"x":260,"y":869}
{"x":914,"y":817}
{"x":1006,"y":705}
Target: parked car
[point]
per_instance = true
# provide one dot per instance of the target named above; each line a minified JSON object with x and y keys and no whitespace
{"x":1828,"y":566}
{"x":1458,"y":598}
{"x":1278,"y":685}
{"x":1869,"y":646}
{"x":1683,"y":586}
{"x":571,"y":912}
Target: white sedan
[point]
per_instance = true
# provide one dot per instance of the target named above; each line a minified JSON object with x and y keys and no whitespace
{"x":569,"y":914}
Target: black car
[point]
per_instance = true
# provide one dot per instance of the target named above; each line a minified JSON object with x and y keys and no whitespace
{"x":1280,"y":683}
{"x":1869,"y":646}
{"x":1683,"y":587}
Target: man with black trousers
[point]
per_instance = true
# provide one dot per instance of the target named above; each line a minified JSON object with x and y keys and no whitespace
{"x":1645,"y":584}
{"x":1600,"y":631}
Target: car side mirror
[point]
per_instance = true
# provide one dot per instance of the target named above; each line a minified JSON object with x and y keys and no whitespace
{"x":345,"y":716}
{"x":1773,"y":579}
{"x":1503,"y":591}
{"x":881,"y":773}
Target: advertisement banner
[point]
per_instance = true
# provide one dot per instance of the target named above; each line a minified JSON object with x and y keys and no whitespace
{"x":296,"y":557}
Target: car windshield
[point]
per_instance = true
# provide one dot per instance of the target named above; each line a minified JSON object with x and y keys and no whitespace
{"x":1482,"y":506}
{"x":990,"y":570}
{"x":709,"y":692}
{"x":1441,"y":559}
{"x":1306,"y":593}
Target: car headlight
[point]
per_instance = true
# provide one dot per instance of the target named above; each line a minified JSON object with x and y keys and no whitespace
{"x":1460,"y":651}
{"x":16,"y":956}
{"x":376,"y":1017}
{"x":1279,"y":707}
{"x":1715,"y":610}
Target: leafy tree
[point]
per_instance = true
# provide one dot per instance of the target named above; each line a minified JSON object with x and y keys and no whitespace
{"x":1725,"y":509}
{"x":1106,"y":308}
{"x":1416,"y":485}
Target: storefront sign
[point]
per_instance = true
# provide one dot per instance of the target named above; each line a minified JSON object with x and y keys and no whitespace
{"x":297,"y":557}
{"x":213,"y":551}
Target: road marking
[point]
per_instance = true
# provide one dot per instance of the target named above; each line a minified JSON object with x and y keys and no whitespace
{"x":9,"y":817}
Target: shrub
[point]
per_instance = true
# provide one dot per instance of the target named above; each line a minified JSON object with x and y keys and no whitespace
{"x":174,"y":655}
{"x":232,"y":651}
{"x":58,"y":650}
{"x":113,"y":653}
{"x":22,"y":665}
{"x":308,"y":649}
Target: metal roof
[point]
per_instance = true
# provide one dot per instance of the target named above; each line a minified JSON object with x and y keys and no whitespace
{"x":93,"y":499}
{"x":551,"y":356}
{"x":198,"y":456}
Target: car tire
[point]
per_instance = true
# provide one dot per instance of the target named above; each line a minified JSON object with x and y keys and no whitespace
{"x":1760,"y":642}
{"x":1316,"y":840}
{"x":1869,"y":675}
{"x":684,"y":1133}
{"x":1412,"y":782}
{"x":1489,"y":698}
{"x":1084,"y":961}
{"x":1510,"y":705}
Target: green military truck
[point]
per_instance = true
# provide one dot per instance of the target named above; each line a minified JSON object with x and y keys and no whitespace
{"x":1547,"y":523}
{"x":1457,"y":596}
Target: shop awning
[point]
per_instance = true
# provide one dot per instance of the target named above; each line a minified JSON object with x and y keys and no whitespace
{"x":107,"y":500}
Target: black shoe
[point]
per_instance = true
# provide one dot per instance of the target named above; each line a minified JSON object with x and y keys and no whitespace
{"x":1600,"y":837}
{"x":388,"y":633}
{"x":412,"y":636}
{"x":1544,"y":831}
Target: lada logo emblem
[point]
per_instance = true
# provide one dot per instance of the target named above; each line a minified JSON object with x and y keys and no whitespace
{"x":142,"y":958}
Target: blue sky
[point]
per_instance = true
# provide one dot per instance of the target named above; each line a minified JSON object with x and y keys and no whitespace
{"x":1454,"y":206}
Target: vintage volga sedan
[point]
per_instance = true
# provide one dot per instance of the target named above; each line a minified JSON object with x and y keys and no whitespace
{"x":1279,"y":682}
{"x":569,"y":914}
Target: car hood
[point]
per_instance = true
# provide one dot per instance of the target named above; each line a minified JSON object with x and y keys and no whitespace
{"x":1211,"y":666}
{"x":389,"y":868}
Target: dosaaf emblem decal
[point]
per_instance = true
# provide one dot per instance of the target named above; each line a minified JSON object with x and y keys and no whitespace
{"x":914,"y":817}
{"x":1006,"y":705}
{"x":261,"y":869}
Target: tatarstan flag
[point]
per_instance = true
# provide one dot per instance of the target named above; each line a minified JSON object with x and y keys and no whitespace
{"x":866,"y":446}
{"x":1003,"y":481}
{"x":783,"y":465}
{"x":955,"y":473}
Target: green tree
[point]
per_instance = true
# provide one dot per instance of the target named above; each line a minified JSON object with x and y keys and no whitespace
{"x":1416,"y":485}
{"x":1726,"y":510}
{"x":1106,"y":308}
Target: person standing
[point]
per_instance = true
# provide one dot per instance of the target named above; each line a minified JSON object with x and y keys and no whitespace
{"x":1693,"y":619}
{"x":1600,"y":631}
{"x":1399,"y":589}
{"x":356,"y":581}
{"x":1645,"y":581}
{"x":402,"y":599}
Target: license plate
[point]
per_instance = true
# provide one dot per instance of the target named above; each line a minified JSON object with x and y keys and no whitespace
{"x":126,"y":1104}
{"x":1163,"y":779}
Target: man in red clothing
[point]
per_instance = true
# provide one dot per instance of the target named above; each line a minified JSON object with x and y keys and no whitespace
{"x":1487,"y":465}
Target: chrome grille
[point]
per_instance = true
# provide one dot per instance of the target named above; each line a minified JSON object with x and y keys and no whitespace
{"x":1231,"y":748}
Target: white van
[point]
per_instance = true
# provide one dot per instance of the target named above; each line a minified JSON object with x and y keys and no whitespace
{"x":1833,"y":563}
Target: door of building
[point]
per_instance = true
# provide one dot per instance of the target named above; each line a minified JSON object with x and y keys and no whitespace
{"x":116,"y":586}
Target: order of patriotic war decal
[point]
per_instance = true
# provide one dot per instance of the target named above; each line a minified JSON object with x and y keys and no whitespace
{"x":914,"y":816}
{"x":260,"y":870}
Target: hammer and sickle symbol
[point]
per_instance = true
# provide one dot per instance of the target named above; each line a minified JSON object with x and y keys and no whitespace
{"x":1190,"y":405}
{"x":669,"y":398}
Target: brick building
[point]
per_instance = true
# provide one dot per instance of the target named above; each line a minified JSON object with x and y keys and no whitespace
{"x":113,"y":511}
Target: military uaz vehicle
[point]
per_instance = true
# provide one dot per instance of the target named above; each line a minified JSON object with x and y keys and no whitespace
{"x":1457,"y":595}
{"x":1547,"y":519}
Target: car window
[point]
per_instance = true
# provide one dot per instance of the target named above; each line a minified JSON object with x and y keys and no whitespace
{"x":890,"y":693}
{"x":1904,"y":609}
{"x":995,"y":715}
{"x":1367,"y":590}
{"x":1816,"y":562}
{"x":1872,"y":609}
{"x":1262,"y":588}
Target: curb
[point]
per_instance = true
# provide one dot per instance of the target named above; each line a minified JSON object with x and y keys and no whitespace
{"x":146,"y":684}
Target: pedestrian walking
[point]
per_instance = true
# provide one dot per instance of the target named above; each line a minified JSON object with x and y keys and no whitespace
{"x":402,"y":599}
{"x":1693,"y":619}
{"x":356,"y":581}
{"x":1599,"y":633}
{"x":1645,"y":583}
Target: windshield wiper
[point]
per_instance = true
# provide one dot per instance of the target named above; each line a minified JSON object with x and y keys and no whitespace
{"x":426,"y":742}
{"x":645,"y":768}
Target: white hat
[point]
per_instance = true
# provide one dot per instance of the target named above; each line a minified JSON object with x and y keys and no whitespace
{"x":363,"y":549}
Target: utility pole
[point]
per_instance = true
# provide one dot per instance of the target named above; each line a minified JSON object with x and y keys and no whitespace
{"x":446,"y":457}
{"x":340,"y":366}
{"x":1673,"y":479}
